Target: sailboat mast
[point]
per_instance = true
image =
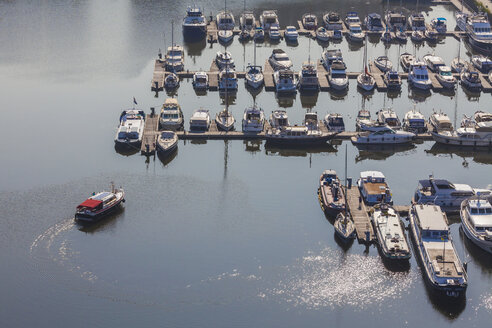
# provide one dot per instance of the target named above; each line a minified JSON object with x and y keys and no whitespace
{"x":172,"y":33}
{"x":255,"y":52}
{"x":346,"y":183}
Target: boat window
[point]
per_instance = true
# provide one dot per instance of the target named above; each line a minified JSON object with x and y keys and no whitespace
{"x":474,"y":211}
{"x":488,"y":210}
{"x":122,"y":135}
{"x":481,"y":210}
{"x":426,"y":234}
{"x":446,"y":73}
{"x":480,"y":229}
{"x":338,"y":75}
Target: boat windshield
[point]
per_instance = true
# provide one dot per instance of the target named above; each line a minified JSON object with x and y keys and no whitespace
{"x":270,"y":20}
{"x":475,"y":210}
{"x":170,"y":116}
{"x":446,"y":74}
{"x":128,"y":135}
{"x":175,"y":53}
{"x":481,"y":29}
{"x":336,"y":121}
{"x":253,"y":116}
{"x":338,"y":75}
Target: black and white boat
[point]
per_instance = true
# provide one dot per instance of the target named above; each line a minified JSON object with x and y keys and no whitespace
{"x":291,"y":34}
{"x":247,"y":21}
{"x":228,"y":80}
{"x":476,"y":221}
{"x":417,"y":36}
{"x":414,"y":121}
{"x":344,"y":226}
{"x":200,"y":81}
{"x":308,"y":77}
{"x":309,"y":21}
{"x":269,"y":18}
{"x":352,"y":18}
{"x":296,"y":135}
{"x":440,"y":25}
{"x":416,"y":22}
{"x":171,"y":81}
{"x":332,"y":21}
{"x":433,"y":62}
{"x":322,"y":34}
{"x":285,"y":81}
{"x":253,"y":119}
{"x":406,"y":60}
{"x":389,"y":117}
{"x":418,"y":76}
{"x":445,"y":77}
{"x":254,"y":73}
{"x":337,"y":76}
{"x":374,"y":23}
{"x":482,"y":63}
{"x":194,"y":23}
{"x":365,"y":80}
{"x":440,"y":121}
{"x":130,"y":129}
{"x":373,"y":188}
{"x":167,"y":142}
{"x":395,"y":21}
{"x":392,"y":79}
{"x":224,"y":59}
{"x":384,"y":136}
{"x":200,"y":120}
{"x":334,"y":122}
{"x":99,"y":205}
{"x":329,"y":56}
{"x":471,"y":80}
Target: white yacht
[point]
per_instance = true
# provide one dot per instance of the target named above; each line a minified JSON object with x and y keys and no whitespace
{"x":194,"y":23}
{"x":433,"y":62}
{"x":337,"y":76}
{"x":224,"y":59}
{"x":225,"y":120}
{"x":167,"y":142}
{"x":225,"y":36}
{"x":225,"y":21}
{"x":383,"y":63}
{"x":414,"y":121}
{"x":384,"y":136}
{"x":334,"y":122}
{"x":279,"y":60}
{"x":344,"y":226}
{"x":329,"y":56}
{"x":200,"y":81}
{"x":174,"y":59}
{"x":274,"y":34}
{"x":171,"y":81}
{"x":131,"y":127}
{"x":440,"y":25}
{"x":285,"y":81}
{"x":395,"y":21}
{"x":392,"y":79}
{"x":171,"y":116}
{"x":279,"y":119}
{"x":418,"y":76}
{"x":389,"y":117}
{"x":309,"y":21}
{"x":296,"y":135}
{"x":254,"y":76}
{"x":390,"y":233}
{"x":200,"y":120}
{"x":479,"y":136}
{"x":311,"y":121}
{"x":374,"y":23}
{"x":406,"y":60}
{"x":445,"y":77}
{"x":355,"y":33}
{"x":267,"y":19}
{"x":253,"y":119}
{"x":483,"y":117}
{"x":441,"y":266}
{"x":416,"y":22}
{"x":228,"y":80}
{"x":440,"y":122}
{"x":476,"y":221}
{"x":352,"y":18}
{"x":332,"y":21}
{"x":322,"y":34}
{"x":482,"y":63}
{"x":477,"y":28}
{"x":247,"y":21}
{"x":373,"y":188}
{"x":308,"y":77}
{"x":291,"y":34}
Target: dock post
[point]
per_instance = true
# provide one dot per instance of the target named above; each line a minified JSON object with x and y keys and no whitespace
{"x":147,"y":148}
{"x":152,"y":111}
{"x":156,"y":85}
{"x":368,"y":234}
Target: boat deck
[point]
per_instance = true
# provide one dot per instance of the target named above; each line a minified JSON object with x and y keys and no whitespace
{"x":450,"y":266}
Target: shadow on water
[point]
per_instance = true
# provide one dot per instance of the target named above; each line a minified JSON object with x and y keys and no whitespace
{"x":126,"y":150}
{"x":309,"y":99}
{"x":285,"y":101}
{"x":339,"y":94}
{"x":103,"y":224}
{"x":418,"y":95}
{"x":477,"y":155}
{"x":195,"y":48}
{"x":168,"y":158}
{"x":380,"y":152}
{"x":343,"y":244}
{"x":478,"y":255}
{"x":297,"y":150}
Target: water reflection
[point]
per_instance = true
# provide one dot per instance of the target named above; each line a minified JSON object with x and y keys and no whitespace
{"x":126,"y":150}
{"x":168,"y":158}
{"x":477,"y":155}
{"x":252,"y":145}
{"x":380,"y":152}
{"x":297,"y":150}
{"x":418,"y":95}
{"x":471,"y":95}
{"x":478,"y":255}
{"x":195,"y":49}
{"x":285,"y":101}
{"x":106,"y":223}
{"x":309,"y":99}
{"x":343,"y":243}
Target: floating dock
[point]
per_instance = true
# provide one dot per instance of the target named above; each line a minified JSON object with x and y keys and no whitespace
{"x":363,"y":226}
{"x":150,"y":135}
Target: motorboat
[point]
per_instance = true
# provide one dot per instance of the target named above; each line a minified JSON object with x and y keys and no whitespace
{"x":431,"y":35}
{"x":344,"y":226}
{"x":171,"y":81}
{"x":477,"y":28}
{"x":171,"y":116}
{"x":445,"y":77}
{"x":389,"y":117}
{"x":200,"y":120}
{"x":476,"y":221}
{"x":416,"y":22}
{"x":467,"y":122}
{"x":131,"y":127}
{"x":433,"y":62}
{"x":247,"y":21}
{"x":174,"y":59}
{"x":459,"y":65}
{"x":355,"y":33}
{"x":401,"y":36}
{"x":439,"y":122}
{"x":383,"y":63}
{"x":337,"y":76}
{"x":417,"y":36}
{"x":194,"y":23}
{"x":259,"y":34}
{"x":440,"y":25}
{"x":291,"y":34}
{"x":274,"y":34}
{"x":254,"y":76}
{"x":228,"y":80}
{"x":224,"y":59}
{"x":200,"y":81}
{"x":387,"y":36}
{"x":225,"y":120}
{"x":322,"y":34}
{"x":336,"y":35}
{"x":418,"y":76}
{"x":395,"y":21}
{"x":332,"y":21}
{"x":389,"y":230}
{"x":384,"y":136}
{"x":279,"y":119}
{"x":329,"y":56}
{"x":374,"y":23}
{"x":352,"y":18}
{"x":471,"y":80}
{"x":253,"y":119}
{"x":366,"y":81}
{"x":279,"y":60}
{"x":225,"y":36}
{"x":441,"y":192}
{"x":441,"y":267}
{"x":225,"y":20}
{"x":309,"y":21}
{"x":99,"y":205}
{"x":363,"y":122}
{"x":285,"y":81}
{"x":406,"y":60}
{"x":331,"y":193}
{"x":483,"y":117}
{"x":482,"y":63}
{"x":244,"y":35}
{"x":268,"y":18}
{"x":167,"y":142}
{"x":311,"y":121}
{"x":392,"y":79}
{"x":479,"y":136}
{"x":296,"y":135}
{"x":373,"y":188}
{"x":308,"y":77}
{"x":414,"y":121}
{"x":334,"y":122}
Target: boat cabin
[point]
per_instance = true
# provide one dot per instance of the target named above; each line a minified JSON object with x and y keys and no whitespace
{"x":480,"y":214}
{"x":373,"y":187}
{"x":432,"y":222}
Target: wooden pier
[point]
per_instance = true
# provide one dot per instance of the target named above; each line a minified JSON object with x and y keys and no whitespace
{"x":268,"y":77}
{"x":150,"y":134}
{"x":486,"y":86}
{"x":378,"y":76}
{"x":363,"y":226}
{"x":324,"y":85}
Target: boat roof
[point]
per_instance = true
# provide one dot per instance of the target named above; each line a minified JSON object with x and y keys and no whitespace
{"x":372,"y":174}
{"x":90,"y":203}
{"x":279,"y":113}
{"x":200,"y":114}
{"x":338,"y":65}
{"x":413,"y":114}
{"x":431,"y":217}
{"x":171,"y":101}
{"x":480,"y":219}
{"x":297,"y":128}
{"x":201,"y":74}
{"x":441,"y":118}
{"x":330,"y":172}
{"x":441,"y":19}
{"x":374,"y":16}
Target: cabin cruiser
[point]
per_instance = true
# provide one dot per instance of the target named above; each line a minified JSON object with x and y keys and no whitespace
{"x":174,"y":59}
{"x":130,"y":129}
{"x":416,"y":22}
{"x":194,"y":23}
{"x":392,"y":79}
{"x":337,"y":35}
{"x":373,"y":188}
{"x":254,"y":76}
{"x":482,"y":63}
{"x":414,"y":121}
{"x":200,"y":120}
{"x":440,"y":122}
{"x":441,"y":266}
{"x":171,"y":81}
{"x":443,"y":193}
{"x":322,"y":34}
{"x":355,"y":33}
{"x":224,"y":59}
{"x":291,"y":34}
{"x":383,"y":63}
{"x":225,"y":21}
{"x":285,"y":81}
{"x":471,"y":80}
{"x":308,"y":77}
{"x":390,"y":233}
{"x":352,"y":18}
{"x":483,"y":117}
{"x":331,"y":193}
{"x":274,"y":34}
{"x":476,"y":221}
{"x":479,"y":136}
{"x":167,"y":142}
{"x":337,"y":77}
{"x":439,"y":24}
{"x":247,"y":21}
{"x":309,"y":21}
{"x":279,"y":119}
{"x":431,"y":35}
{"x":417,"y":36}
{"x":267,"y":19}
{"x":406,"y":60}
{"x":384,"y":136}
{"x":374,"y":23}
{"x":295,"y":135}
{"x":99,"y":205}
{"x":329,"y":56}
{"x":334,"y":122}
{"x":396,"y":21}
{"x":171,"y":116}
{"x":228,"y":80}
{"x":418,"y":76}
{"x":477,"y":28}
{"x":253,"y":119}
{"x":279,"y":60}
{"x":225,"y":120}
{"x":445,"y":77}
{"x":200,"y":81}
{"x":433,"y":62}
{"x":332,"y":21}
{"x":363,"y":122}
{"x":259,"y":34}
{"x":389,"y":117}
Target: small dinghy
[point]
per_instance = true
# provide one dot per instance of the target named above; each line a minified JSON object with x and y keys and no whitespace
{"x":401,"y":36}
{"x":383,"y":63}
{"x":167,"y":142}
{"x":322,"y":34}
{"x":344,"y":227}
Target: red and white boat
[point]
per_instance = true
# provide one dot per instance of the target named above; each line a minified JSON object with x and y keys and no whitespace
{"x":100,"y":204}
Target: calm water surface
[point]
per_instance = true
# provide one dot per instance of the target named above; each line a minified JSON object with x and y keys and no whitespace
{"x":223,"y":233}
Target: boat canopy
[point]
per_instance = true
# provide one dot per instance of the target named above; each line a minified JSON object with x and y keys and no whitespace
{"x":431,"y":218}
{"x":441,"y":19}
{"x":90,"y":203}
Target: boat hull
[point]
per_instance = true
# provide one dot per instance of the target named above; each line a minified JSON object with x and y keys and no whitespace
{"x":483,"y":244}
{"x":296,"y":141}
{"x":88,"y":218}
{"x":453,"y":141}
